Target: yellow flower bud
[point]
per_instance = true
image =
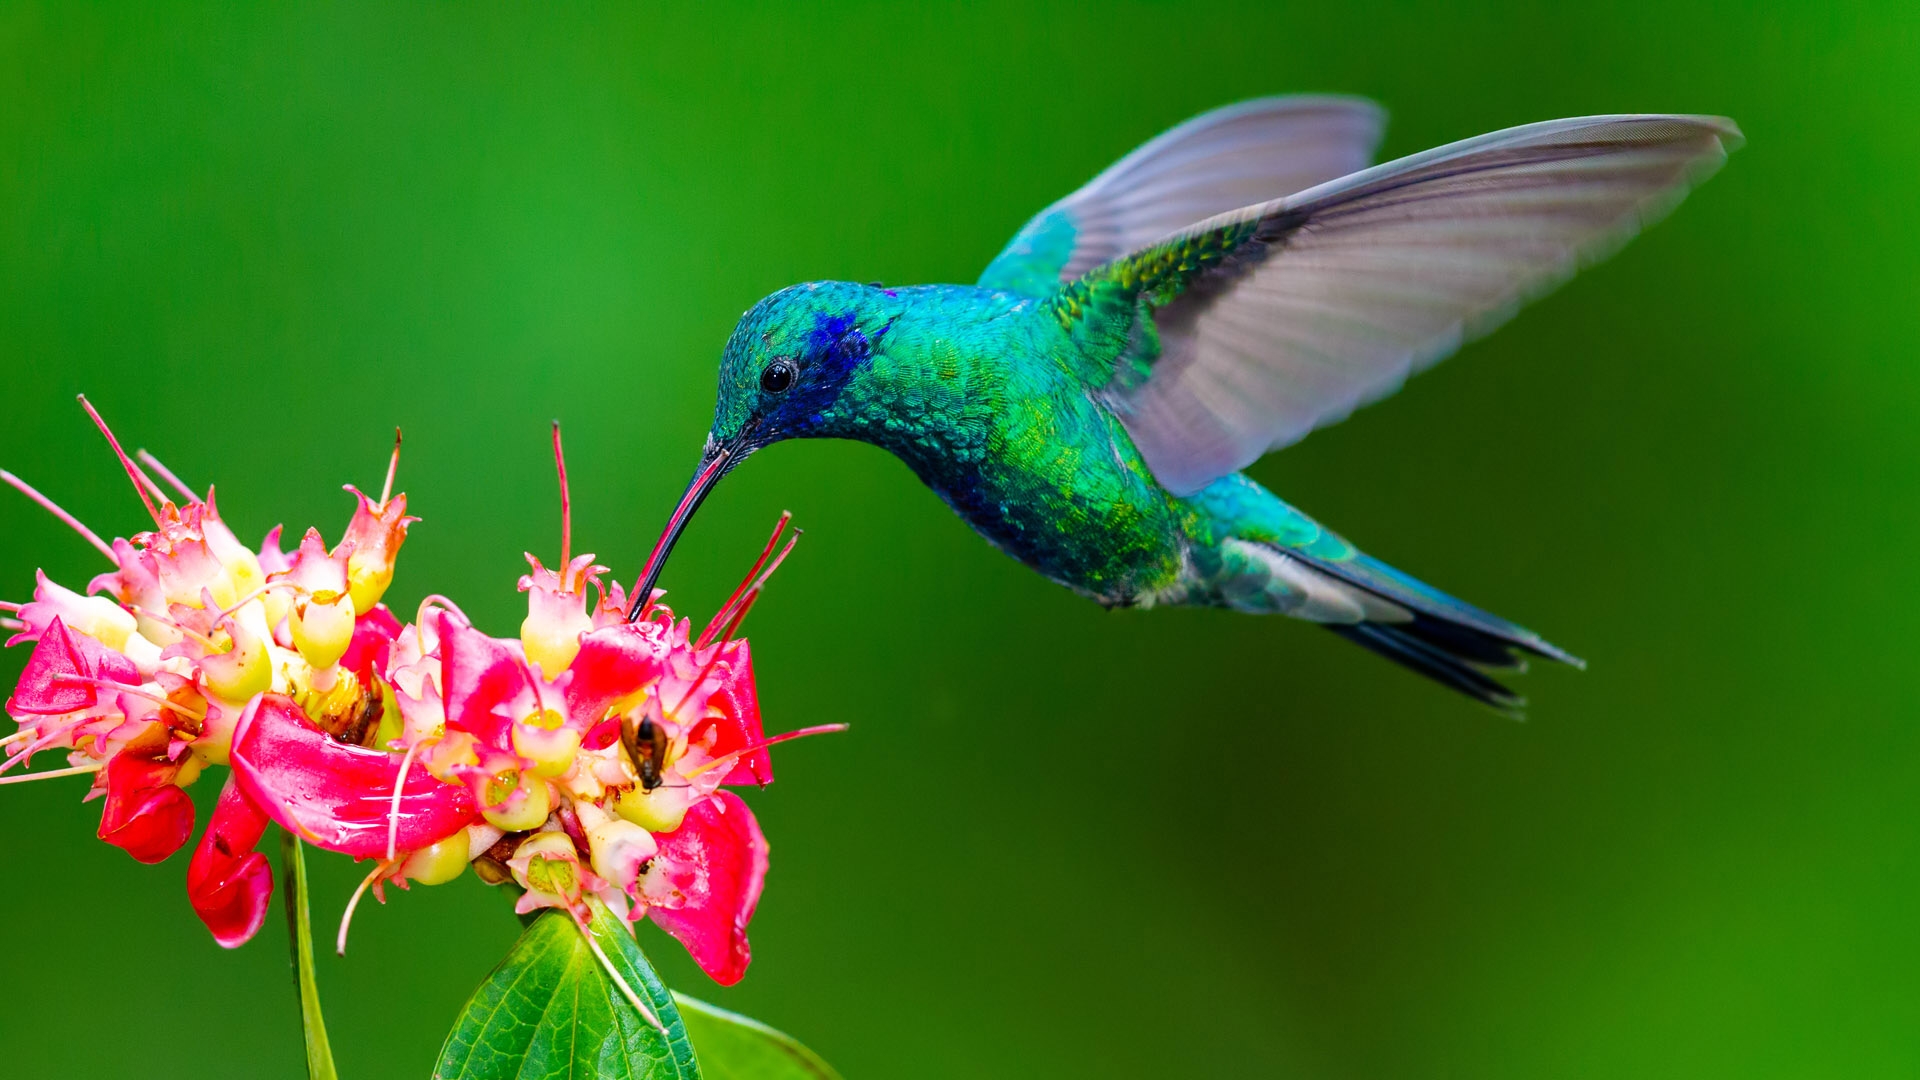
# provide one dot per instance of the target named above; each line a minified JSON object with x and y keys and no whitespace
{"x":545,"y":740}
{"x":244,"y":670}
{"x":438,"y":863}
{"x":508,"y":814}
{"x":547,"y":863}
{"x":322,"y":627}
{"x":660,"y":810}
{"x":367,"y":580}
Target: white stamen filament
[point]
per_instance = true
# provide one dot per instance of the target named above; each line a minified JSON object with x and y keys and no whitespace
{"x":346,"y":917}
{"x":43,"y":742}
{"x":399,"y":785}
{"x":619,"y":980}
{"x":27,"y":778}
{"x":227,"y":613}
{"x":420,"y":617}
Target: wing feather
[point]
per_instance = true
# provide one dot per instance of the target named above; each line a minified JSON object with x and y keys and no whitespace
{"x":1218,"y":161}
{"x":1285,"y":316}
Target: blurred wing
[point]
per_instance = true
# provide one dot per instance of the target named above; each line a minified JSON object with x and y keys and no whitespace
{"x":1283,"y":317}
{"x":1219,"y":161}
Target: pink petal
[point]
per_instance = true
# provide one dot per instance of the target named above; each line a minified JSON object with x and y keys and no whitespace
{"x":717,"y":861}
{"x":373,"y":635}
{"x":614,"y":661}
{"x":483,"y":680}
{"x":333,"y":795}
{"x":228,"y":882}
{"x":738,"y":722}
{"x":51,"y":684}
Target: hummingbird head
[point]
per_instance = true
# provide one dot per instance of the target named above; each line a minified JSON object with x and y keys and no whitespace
{"x":792,"y":369}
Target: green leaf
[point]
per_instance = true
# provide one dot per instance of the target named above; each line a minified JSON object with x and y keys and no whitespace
{"x":550,"y":1011}
{"x":293,"y":864}
{"x":733,"y":1047}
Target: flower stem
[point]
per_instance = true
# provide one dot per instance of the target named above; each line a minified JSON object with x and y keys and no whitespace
{"x":300,"y":943}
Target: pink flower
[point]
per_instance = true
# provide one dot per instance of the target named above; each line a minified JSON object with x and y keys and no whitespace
{"x":584,"y":758}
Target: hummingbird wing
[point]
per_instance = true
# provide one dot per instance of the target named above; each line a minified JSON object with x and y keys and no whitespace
{"x":1218,"y":161}
{"x":1285,"y":316}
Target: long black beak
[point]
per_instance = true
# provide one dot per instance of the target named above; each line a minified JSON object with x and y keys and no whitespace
{"x":713,"y":466}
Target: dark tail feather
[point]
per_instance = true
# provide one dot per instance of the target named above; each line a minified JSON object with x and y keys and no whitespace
{"x":1448,"y":653}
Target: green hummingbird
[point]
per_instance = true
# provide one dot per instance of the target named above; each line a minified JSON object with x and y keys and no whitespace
{"x":1216,"y":294}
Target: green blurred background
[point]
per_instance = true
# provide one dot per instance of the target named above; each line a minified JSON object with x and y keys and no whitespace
{"x":1057,"y":842}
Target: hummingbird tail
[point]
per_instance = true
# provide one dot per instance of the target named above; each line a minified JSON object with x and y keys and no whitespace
{"x":1258,"y":554}
{"x":1446,"y":639}
{"x":1449,"y":655}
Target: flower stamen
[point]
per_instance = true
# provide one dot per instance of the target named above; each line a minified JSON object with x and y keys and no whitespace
{"x":566,"y":501}
{"x":613,"y":973}
{"x":747,"y":581}
{"x":431,"y":601}
{"x":346,"y":917}
{"x":399,"y":785}
{"x":760,"y":586}
{"x":393,"y":466}
{"x":53,"y":508}
{"x":227,"y":612}
{"x":170,"y":621}
{"x":141,"y":481}
{"x":723,"y":759}
{"x":157,"y":699}
{"x":166,"y":474}
{"x":42,"y":743}
{"x":27,"y":778}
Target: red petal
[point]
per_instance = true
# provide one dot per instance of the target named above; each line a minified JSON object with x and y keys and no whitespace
{"x":721,"y":856}
{"x":336,"y":796}
{"x":146,"y":813}
{"x":44,"y":688}
{"x":151,"y":826}
{"x":739,"y":720}
{"x":228,"y":882}
{"x":478,"y":674}
{"x":373,"y":635}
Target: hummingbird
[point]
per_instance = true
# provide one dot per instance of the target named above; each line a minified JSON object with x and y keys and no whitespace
{"x":1249,"y":276}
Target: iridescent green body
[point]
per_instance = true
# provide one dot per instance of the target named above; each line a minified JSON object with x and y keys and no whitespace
{"x":990,"y":397}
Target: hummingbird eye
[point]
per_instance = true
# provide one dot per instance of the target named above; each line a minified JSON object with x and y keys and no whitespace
{"x":777,"y":377}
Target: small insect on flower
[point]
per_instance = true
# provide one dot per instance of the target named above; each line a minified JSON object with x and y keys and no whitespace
{"x":584,"y":758}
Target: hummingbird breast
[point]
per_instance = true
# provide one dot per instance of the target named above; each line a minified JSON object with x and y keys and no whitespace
{"x":998,"y":423}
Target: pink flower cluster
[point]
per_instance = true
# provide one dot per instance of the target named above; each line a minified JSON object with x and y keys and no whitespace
{"x":587,"y":757}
